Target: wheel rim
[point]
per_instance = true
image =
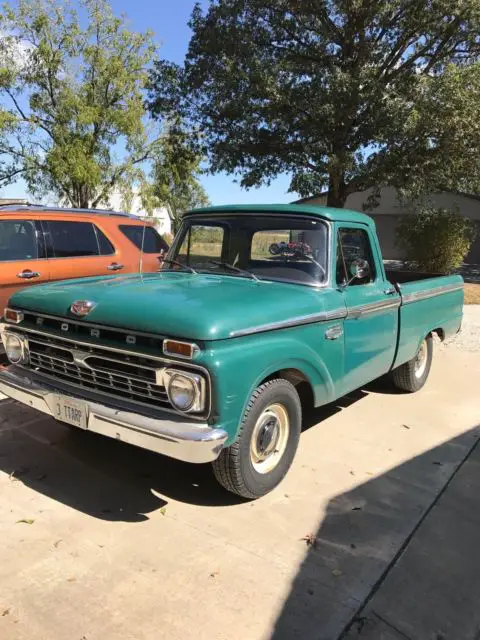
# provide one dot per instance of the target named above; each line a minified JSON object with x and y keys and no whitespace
{"x":269,"y":438}
{"x":421,"y":360}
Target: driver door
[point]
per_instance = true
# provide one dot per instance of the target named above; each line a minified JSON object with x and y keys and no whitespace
{"x":371,"y":325}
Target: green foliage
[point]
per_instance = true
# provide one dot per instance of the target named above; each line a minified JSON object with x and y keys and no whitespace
{"x":70,"y":96}
{"x":343,"y":95}
{"x":436,"y":240}
{"x":175,"y":181}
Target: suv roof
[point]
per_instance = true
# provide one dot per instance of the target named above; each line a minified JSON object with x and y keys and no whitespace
{"x":14,"y":208}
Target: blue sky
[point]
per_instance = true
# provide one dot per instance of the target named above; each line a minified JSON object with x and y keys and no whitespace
{"x":168,"y":19}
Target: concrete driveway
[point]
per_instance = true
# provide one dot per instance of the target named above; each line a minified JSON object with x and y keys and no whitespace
{"x":104,"y":541}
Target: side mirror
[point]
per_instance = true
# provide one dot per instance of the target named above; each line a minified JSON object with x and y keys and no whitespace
{"x":359,"y":269}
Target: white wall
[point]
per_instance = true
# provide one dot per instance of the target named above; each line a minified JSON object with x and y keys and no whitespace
{"x":163,"y":223}
{"x":389,"y":210}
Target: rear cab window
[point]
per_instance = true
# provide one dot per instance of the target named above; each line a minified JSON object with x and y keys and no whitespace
{"x":145,"y":236}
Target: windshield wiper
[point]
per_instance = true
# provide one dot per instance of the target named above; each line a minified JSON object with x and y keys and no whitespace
{"x":180,"y":264}
{"x":227,"y":265}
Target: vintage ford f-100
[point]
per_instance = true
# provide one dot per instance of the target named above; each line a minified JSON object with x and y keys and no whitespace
{"x":256,"y":313}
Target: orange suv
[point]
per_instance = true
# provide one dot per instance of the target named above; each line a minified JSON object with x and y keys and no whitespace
{"x":40,"y":244}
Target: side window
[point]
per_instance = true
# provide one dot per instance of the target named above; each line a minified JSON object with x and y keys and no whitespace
{"x":152,"y":240}
{"x":18,"y":240}
{"x":201,"y":244}
{"x":104,"y":244}
{"x":353,"y":244}
{"x":72,"y":239}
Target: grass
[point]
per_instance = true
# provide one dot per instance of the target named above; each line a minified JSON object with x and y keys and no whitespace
{"x":472,"y":293}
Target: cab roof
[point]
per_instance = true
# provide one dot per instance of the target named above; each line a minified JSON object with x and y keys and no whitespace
{"x":328,"y":213}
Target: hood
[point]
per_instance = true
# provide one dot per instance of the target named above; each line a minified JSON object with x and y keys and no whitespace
{"x":181,"y":305}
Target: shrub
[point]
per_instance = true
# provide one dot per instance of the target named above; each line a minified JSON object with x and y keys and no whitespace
{"x":436,"y":240}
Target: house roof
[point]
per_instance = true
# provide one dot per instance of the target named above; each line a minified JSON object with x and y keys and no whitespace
{"x":471,"y":196}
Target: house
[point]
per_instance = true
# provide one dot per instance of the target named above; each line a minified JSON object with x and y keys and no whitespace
{"x":389,"y":211}
{"x":8,"y":201}
{"x":163,"y":220}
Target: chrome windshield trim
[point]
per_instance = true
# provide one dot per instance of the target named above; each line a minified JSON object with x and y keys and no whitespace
{"x":311,"y":318}
{"x":408,"y":298}
{"x":191,"y":216}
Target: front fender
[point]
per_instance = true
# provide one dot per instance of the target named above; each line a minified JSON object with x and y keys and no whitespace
{"x":238,"y":366}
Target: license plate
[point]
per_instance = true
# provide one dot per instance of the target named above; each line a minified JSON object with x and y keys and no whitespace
{"x":71,"y":411}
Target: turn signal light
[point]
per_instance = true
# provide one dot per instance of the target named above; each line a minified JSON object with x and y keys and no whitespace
{"x":180,"y":349}
{"x":13,"y":316}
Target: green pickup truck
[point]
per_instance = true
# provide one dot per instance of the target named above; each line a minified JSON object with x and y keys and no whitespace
{"x":257,"y":313}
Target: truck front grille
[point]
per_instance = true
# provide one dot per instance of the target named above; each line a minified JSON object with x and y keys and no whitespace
{"x":126,"y":376}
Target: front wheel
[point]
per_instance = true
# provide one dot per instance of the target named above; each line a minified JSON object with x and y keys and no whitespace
{"x":412,"y":375}
{"x":266,"y":445}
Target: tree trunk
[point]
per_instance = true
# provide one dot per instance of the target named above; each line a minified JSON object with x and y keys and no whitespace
{"x":337,"y":190}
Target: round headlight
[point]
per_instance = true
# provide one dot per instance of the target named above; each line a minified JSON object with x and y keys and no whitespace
{"x":14,"y":348}
{"x":182,"y":392}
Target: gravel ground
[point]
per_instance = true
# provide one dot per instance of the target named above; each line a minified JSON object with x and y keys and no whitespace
{"x":469,"y":337}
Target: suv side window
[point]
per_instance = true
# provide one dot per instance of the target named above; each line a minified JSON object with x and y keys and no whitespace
{"x":105,"y":246}
{"x":152,"y":240}
{"x":353,"y":244}
{"x":72,"y":239}
{"x":18,"y":241}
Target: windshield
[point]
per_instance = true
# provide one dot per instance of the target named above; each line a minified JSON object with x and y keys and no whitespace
{"x":283,"y":248}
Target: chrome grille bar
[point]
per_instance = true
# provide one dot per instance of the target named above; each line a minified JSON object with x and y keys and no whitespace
{"x":132,"y":377}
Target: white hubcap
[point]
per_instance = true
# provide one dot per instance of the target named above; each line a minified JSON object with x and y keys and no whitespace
{"x":421,"y":360}
{"x":269,"y":438}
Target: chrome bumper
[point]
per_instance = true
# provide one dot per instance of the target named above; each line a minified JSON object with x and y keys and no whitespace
{"x":170,"y":435}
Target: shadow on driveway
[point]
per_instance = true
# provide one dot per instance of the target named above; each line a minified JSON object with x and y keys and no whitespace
{"x":363,"y":532}
{"x":108,"y":479}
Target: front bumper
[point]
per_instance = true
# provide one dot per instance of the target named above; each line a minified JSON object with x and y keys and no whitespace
{"x":168,"y":434}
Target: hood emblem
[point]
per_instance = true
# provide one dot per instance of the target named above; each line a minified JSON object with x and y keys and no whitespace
{"x":82,"y":307}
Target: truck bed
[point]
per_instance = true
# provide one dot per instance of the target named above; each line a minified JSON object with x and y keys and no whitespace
{"x":429,"y":304}
{"x":397,"y":276}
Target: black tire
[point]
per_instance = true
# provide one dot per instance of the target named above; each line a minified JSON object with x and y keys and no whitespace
{"x":406,"y":377}
{"x":234,"y":469}
{"x":274,"y":249}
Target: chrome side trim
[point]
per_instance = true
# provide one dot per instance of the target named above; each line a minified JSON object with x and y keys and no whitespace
{"x":430,"y":293}
{"x":170,"y":435}
{"x":324,"y":316}
{"x":373,"y":307}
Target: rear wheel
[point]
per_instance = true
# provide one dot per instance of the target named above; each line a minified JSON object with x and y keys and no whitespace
{"x":412,"y":375}
{"x":266,"y":445}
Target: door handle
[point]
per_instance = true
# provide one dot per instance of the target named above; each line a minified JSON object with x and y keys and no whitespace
{"x":28,"y":274}
{"x":390,"y":291}
{"x":115,"y":266}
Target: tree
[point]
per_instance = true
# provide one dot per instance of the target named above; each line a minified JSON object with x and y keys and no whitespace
{"x":328,"y":90}
{"x":175,"y":182}
{"x":72,"y":117}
